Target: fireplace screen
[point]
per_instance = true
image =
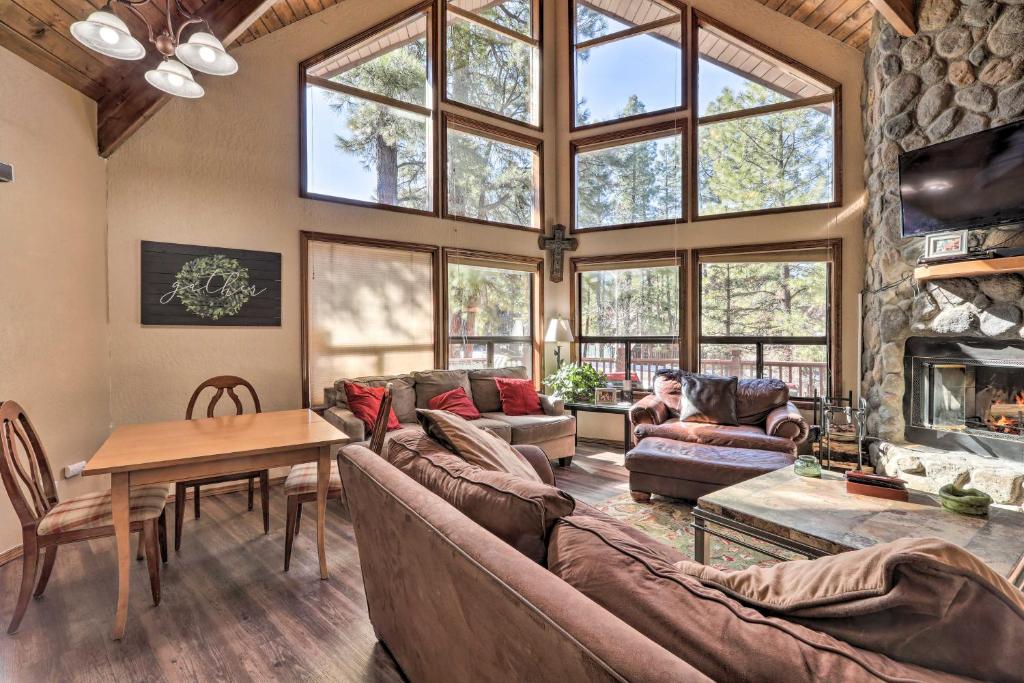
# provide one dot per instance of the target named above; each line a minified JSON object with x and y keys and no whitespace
{"x":981,"y":392}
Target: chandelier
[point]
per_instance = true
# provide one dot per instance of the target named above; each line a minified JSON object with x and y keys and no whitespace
{"x":107,"y":34}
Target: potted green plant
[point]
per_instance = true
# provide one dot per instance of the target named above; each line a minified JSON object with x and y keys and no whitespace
{"x":575,"y":382}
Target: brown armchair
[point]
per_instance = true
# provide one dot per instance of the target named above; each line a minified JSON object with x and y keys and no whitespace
{"x":688,"y":459}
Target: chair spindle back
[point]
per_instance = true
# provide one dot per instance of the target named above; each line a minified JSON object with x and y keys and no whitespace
{"x":24,"y":466}
{"x":222,"y":383}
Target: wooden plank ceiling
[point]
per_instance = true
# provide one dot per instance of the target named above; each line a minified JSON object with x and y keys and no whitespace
{"x":39,"y":31}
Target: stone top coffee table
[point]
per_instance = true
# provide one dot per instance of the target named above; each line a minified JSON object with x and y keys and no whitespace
{"x":816,"y":517}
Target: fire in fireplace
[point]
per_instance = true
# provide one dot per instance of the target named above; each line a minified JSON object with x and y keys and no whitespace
{"x":966,"y":394}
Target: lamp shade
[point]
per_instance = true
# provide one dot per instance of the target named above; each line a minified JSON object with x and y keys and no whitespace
{"x":174,"y":78}
{"x":105,"y":33}
{"x":559,"y":331}
{"x":203,"y":52}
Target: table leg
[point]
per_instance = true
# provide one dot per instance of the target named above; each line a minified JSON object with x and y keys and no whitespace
{"x":701,"y":541}
{"x":576,"y":433}
{"x":119,"y":482}
{"x":627,"y":439}
{"x":323,"y":478}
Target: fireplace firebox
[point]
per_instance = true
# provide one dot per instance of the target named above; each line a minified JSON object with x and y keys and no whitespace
{"x":965,"y":394}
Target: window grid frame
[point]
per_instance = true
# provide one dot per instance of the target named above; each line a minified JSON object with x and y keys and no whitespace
{"x":684,"y":93}
{"x":659,"y":130}
{"x":498,"y":260}
{"x":428,"y":8}
{"x":582,"y":264}
{"x":833,"y":310}
{"x":699,"y":20}
{"x":308,"y":236}
{"x":536,"y":42}
{"x":499,"y":134}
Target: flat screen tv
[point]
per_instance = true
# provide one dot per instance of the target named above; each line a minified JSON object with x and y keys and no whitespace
{"x":976,"y":181}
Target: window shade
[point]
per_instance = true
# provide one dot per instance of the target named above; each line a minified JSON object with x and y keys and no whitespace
{"x":370,"y":312}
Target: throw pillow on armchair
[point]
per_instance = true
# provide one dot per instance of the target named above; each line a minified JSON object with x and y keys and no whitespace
{"x":707,"y":398}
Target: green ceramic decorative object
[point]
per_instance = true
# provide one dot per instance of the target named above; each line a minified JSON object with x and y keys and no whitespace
{"x":807,"y":466}
{"x":964,"y":501}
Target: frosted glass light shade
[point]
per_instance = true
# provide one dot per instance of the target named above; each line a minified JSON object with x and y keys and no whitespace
{"x":105,"y":33}
{"x":203,"y":52}
{"x":174,"y":78}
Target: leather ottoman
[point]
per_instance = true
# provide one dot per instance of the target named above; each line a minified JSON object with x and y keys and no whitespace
{"x":680,"y":469}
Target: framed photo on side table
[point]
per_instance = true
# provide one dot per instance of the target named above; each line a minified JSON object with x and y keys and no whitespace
{"x":606,"y":396}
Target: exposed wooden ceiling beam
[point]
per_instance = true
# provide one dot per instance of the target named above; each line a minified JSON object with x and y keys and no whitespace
{"x":902,"y":14}
{"x":133,"y":101}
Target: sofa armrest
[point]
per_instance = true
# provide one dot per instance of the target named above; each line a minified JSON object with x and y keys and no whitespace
{"x":552,"y":405}
{"x":787,"y":422}
{"x":539,"y":461}
{"x":346,"y":421}
{"x":650,"y":410}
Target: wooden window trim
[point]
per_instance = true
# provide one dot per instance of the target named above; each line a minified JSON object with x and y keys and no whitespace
{"x":536,"y":42}
{"x":834,"y":304}
{"x":684,"y":94}
{"x":536,"y":303}
{"x":306,"y":236}
{"x":504,"y":135}
{"x":427,"y":8}
{"x":700,"y":19}
{"x":681,"y":257}
{"x":622,"y":137}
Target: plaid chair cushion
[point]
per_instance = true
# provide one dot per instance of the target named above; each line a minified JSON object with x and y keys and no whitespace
{"x":302,"y":480}
{"x":93,"y":509}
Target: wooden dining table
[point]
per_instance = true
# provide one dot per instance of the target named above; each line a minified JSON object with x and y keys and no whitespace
{"x":190,"y":449}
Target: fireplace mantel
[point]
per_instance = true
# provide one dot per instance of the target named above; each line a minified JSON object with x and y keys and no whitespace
{"x":975,"y":268}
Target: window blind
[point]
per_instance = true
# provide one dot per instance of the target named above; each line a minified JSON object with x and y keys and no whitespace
{"x":370,"y":312}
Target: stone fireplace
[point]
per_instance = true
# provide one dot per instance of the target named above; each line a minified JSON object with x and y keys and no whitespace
{"x":962,"y":73}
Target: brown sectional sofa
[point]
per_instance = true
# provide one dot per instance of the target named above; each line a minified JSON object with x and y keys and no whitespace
{"x":690,"y":459}
{"x":554,"y":432}
{"x":453,"y":602}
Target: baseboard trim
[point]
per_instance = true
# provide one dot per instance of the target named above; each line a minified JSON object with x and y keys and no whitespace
{"x":14,"y":553}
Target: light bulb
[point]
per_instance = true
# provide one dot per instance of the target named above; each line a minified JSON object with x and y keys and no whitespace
{"x":207,"y":54}
{"x":109,"y":35}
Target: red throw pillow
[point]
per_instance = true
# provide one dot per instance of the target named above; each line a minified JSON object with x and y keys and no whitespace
{"x":518,"y":396}
{"x":365,"y":404}
{"x":456,"y":402}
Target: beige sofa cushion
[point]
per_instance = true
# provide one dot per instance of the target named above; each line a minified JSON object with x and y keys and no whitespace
{"x":502,"y":430}
{"x":403,"y":393}
{"x":485,"y":391}
{"x":519,"y":511}
{"x":430,"y":383}
{"x":727,"y":641}
{"x":919,"y":600}
{"x":536,"y":428}
{"x":474,"y":445}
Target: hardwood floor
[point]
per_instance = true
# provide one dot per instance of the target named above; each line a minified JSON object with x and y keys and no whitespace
{"x":228,"y":611}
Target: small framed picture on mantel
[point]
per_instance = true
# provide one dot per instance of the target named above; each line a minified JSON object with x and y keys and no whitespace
{"x":945,"y":246}
{"x":184,"y":284}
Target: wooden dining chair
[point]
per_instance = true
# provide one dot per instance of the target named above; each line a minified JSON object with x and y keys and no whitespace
{"x":300,"y":486}
{"x":221,"y":383}
{"x":48,"y":522}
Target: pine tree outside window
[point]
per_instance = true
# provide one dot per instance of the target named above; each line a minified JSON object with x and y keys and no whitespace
{"x":629,"y":315}
{"x":766,"y":129}
{"x":770,"y":313}
{"x":493,"y":304}
{"x":368,"y":119}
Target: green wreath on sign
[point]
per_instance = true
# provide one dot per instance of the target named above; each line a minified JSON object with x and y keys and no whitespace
{"x":213,"y":287}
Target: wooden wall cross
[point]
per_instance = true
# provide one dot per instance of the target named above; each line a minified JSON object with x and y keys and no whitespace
{"x":556,"y":246}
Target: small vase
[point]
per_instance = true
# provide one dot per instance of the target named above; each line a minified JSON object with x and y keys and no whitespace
{"x":807,"y":466}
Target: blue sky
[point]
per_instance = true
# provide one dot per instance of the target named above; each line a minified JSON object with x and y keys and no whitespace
{"x":641,"y":65}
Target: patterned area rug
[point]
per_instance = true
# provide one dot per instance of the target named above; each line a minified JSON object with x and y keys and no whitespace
{"x":669,"y":521}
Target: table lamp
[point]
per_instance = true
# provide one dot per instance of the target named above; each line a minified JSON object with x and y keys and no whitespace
{"x":559,"y":333}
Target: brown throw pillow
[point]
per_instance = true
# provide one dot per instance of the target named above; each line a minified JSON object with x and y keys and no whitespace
{"x":918,"y":600}
{"x":727,"y":641}
{"x":707,"y":398}
{"x":474,"y":445}
{"x":521,"y":512}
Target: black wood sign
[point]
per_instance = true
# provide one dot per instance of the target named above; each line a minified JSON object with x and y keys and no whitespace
{"x":188,"y":285}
